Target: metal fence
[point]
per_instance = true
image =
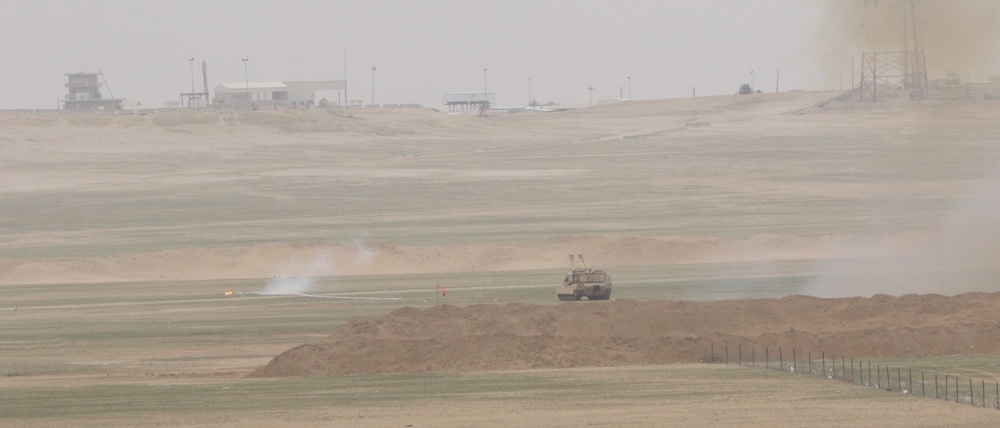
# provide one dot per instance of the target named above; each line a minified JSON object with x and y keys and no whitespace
{"x":975,"y":392}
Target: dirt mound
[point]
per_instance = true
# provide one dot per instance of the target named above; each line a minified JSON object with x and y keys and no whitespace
{"x":625,"y":332}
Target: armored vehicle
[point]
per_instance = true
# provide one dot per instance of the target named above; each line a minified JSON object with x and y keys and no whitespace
{"x":583,"y":282}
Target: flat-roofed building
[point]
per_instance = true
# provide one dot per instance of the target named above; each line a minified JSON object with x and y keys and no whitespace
{"x":267,"y":95}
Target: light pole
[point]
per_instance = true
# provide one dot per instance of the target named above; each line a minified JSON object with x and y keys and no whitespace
{"x":246,"y":81}
{"x":751,"y":80}
{"x":373,"y":86}
{"x":486,"y":96}
{"x":191,"y":62}
{"x":629,"y":87}
{"x":591,"y":89}
{"x":531,"y":101}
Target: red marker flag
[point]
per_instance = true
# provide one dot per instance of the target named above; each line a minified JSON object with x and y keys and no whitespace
{"x":443,"y":291}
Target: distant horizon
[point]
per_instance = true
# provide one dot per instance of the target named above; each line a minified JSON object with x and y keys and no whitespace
{"x":411,"y":53}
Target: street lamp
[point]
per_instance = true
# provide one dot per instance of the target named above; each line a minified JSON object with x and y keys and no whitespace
{"x":486,"y":97}
{"x":531,"y":101}
{"x":246,"y":80}
{"x":373,"y":86}
{"x":751,"y":80}
{"x":591,"y":89}
{"x":629,"y":87}
{"x":191,"y":61}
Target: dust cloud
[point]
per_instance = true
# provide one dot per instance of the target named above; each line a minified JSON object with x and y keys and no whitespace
{"x":957,"y":37}
{"x":299,"y":277}
{"x":959,"y":257}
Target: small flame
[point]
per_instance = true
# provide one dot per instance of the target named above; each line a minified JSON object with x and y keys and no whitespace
{"x":229,"y":292}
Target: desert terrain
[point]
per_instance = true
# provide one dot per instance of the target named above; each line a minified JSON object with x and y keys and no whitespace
{"x":767,"y":220}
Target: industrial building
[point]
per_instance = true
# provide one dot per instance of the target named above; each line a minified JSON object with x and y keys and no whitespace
{"x":269,"y":95}
{"x":85,"y":94}
{"x":466,"y":102}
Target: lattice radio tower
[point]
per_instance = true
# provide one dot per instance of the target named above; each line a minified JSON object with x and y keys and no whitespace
{"x":905,"y":69}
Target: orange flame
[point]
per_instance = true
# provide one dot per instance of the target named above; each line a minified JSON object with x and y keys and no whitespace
{"x":229,"y":292}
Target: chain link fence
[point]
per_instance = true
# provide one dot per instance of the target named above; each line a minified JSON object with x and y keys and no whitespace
{"x":868,"y":373}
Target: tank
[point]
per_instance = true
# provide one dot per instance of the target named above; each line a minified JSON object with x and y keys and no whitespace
{"x":583,"y":282}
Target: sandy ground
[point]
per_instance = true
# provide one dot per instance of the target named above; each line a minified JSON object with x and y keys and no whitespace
{"x":207,"y":195}
{"x":899,"y":199}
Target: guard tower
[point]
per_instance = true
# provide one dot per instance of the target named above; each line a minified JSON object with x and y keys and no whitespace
{"x":85,"y":94}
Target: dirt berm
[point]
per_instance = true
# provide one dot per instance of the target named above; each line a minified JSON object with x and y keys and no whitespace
{"x":625,"y":332}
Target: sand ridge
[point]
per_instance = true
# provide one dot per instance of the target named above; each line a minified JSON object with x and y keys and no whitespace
{"x":360,"y":257}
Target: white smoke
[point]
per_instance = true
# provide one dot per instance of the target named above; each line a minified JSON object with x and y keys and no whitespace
{"x":299,"y":278}
{"x":365,"y":253}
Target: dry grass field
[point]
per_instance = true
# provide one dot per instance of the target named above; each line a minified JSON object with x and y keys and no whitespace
{"x":120,"y":235}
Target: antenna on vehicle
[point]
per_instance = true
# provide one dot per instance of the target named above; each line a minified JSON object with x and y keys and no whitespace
{"x":581,"y":261}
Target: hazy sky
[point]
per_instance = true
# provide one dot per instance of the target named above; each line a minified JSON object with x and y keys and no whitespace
{"x":420,"y":48}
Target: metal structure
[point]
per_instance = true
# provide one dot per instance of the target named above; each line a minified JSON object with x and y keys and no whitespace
{"x":197,"y":99}
{"x":583,"y":282}
{"x":467,"y":102}
{"x":906,"y":69}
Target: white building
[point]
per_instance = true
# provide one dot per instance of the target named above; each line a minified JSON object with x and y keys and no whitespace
{"x":268,"y":95}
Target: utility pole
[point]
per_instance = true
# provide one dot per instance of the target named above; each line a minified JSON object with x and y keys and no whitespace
{"x":191,"y":63}
{"x":629,"y":87}
{"x":777,"y":81}
{"x":246,"y":80}
{"x":486,"y":96}
{"x":347,"y":101}
{"x":531,"y":101}
{"x":373,"y":86}
{"x":591,"y":89}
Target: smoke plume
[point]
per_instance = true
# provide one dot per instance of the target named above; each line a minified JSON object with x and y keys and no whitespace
{"x":960,"y":256}
{"x":956,"y":36}
{"x":299,"y":277}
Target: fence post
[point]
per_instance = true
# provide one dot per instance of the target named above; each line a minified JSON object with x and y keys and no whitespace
{"x":833,"y":365}
{"x":727,"y":352}
{"x":781,"y":361}
{"x":956,"y":389}
{"x":861,"y":371}
{"x":712,"y":358}
{"x":899,"y":379}
{"x":824,"y":363}
{"x":852,"y":370}
{"x":998,"y":395}
{"x":870,"y":374}
{"x":767,"y":358}
{"x":909,"y":383}
{"x":972,"y":395}
{"x":878,"y":372}
{"x":843,"y":368}
{"x":937,"y":393}
{"x":809,"y":355}
{"x":739,"y":348}
{"x":946,"y":384}
{"x":753,"y":355}
{"x":794,"y":362}
{"x":984,"y":393}
{"x":923,"y":385}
